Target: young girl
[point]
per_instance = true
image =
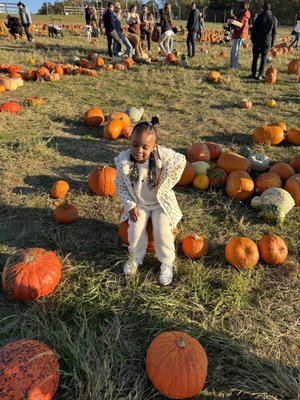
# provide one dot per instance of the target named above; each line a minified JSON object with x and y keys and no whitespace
{"x":146,"y":175}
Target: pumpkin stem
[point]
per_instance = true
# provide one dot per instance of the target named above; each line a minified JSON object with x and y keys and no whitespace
{"x":65,"y":203}
{"x":181,"y":342}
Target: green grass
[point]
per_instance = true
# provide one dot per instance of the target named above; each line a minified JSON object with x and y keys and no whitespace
{"x":100,"y":324}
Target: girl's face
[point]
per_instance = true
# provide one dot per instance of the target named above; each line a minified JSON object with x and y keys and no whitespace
{"x":133,"y":10}
{"x":141,"y":145}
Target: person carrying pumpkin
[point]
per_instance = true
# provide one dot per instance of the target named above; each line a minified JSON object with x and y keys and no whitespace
{"x":240,"y":33}
{"x":146,"y":175}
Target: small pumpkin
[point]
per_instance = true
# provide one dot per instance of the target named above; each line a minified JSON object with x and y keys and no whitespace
{"x":292,"y":185}
{"x":271,"y":103}
{"x":294,"y":66}
{"x":120,"y":67}
{"x":295,"y":162}
{"x":42,"y":72}
{"x":101,"y":181}
{"x":28,"y":366}
{"x":201,"y":182}
{"x":271,"y":135}
{"x":187,"y":175}
{"x":122,"y":117}
{"x":280,"y":124}
{"x":271,"y":78}
{"x":231,"y":161}
{"x":215,"y":150}
{"x":284,"y":170}
{"x":176,"y":365}
{"x":98,"y":61}
{"x":127,"y":132}
{"x":272,"y":249}
{"x":11,"y":107}
{"x":266,"y":181}
{"x":31,"y":75}
{"x":93,"y":117}
{"x":293,"y":136}
{"x":65,"y":213}
{"x":113,"y":129}
{"x":200,"y":167}
{"x":59,"y":69}
{"x":247,"y":104}
{"x":194,"y":246}
{"x":259,"y":162}
{"x":217,"y":177}
{"x":30,"y":274}
{"x":171,"y":58}
{"x":213,"y":76}
{"x":34,"y":101}
{"x":59,"y":189}
{"x":198,"y":152}
{"x":128,"y":62}
{"x":239,"y":185}
{"x":2,"y":88}
{"x":242,"y":253}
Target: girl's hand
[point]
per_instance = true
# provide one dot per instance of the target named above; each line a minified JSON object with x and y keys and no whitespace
{"x":134,"y":214}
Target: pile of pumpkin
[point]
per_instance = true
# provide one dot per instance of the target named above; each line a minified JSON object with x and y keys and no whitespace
{"x":13,"y":81}
{"x":216,"y":77}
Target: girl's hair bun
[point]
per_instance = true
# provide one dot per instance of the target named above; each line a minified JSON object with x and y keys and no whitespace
{"x":154,"y":120}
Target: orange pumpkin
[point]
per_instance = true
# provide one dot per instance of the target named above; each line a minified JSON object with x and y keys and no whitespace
{"x":65,"y":213}
{"x":292,"y":185}
{"x":284,"y":170}
{"x":11,"y":107}
{"x":187,"y":175}
{"x":28,"y":367}
{"x":272,"y":249}
{"x":123,"y":233}
{"x":295,"y":162}
{"x":171,"y":58}
{"x":101,"y":181}
{"x":194,"y":246}
{"x":242,"y":253}
{"x":198,"y":152}
{"x":176,"y":365}
{"x":93,"y":117}
{"x":113,"y":129}
{"x":280,"y":124}
{"x":267,"y":134}
{"x":59,"y":69}
{"x":271,"y":78}
{"x":294,"y":66}
{"x":31,"y":75}
{"x":266,"y":181}
{"x":98,"y":61}
{"x":293,"y":136}
{"x":128,"y":62}
{"x":271,"y":70}
{"x":49,"y":65}
{"x":239,"y":185}
{"x":59,"y":189}
{"x":42,"y":72}
{"x":34,"y":101}
{"x":30,"y":274}
{"x":231,"y":161}
{"x":213,"y":76}
{"x":122,"y":117}
{"x":2,"y":88}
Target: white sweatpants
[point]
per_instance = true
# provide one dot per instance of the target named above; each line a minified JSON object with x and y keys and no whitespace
{"x":162,"y":233}
{"x":164,"y":42}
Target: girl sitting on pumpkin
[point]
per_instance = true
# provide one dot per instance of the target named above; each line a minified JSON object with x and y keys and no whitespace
{"x":146,"y":175}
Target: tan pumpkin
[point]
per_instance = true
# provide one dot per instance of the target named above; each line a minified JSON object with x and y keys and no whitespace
{"x":231,"y":161}
{"x":293,"y":136}
{"x":239,"y":185}
{"x":292,"y":185}
{"x":272,"y":249}
{"x":284,"y":170}
{"x":198,"y":152}
{"x":242,"y":253}
{"x":187,"y":175}
{"x":120,"y":67}
{"x":267,"y":134}
{"x":10,"y":84}
{"x":246,"y":104}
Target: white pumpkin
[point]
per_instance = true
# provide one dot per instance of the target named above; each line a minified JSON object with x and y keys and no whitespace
{"x":135,"y":114}
{"x":259,"y":162}
{"x":10,"y":84}
{"x":200,"y":167}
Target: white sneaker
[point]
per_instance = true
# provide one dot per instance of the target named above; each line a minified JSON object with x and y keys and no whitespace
{"x":130,"y":268}
{"x":166,"y":274}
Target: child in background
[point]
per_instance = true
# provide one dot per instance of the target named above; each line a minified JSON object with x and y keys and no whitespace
{"x":146,"y":175}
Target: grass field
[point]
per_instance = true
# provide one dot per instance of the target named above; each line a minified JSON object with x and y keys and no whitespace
{"x":100,"y":324}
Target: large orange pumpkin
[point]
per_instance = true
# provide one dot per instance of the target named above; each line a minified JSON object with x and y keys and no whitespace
{"x":176,"y":365}
{"x":272,"y":249}
{"x":295,"y":162}
{"x":268,"y":134}
{"x":231,"y":161}
{"x":31,"y":273}
{"x":194,"y":246}
{"x":59,"y":189}
{"x":101,"y":181}
{"x":242,"y":253}
{"x":28,"y":369}
{"x":198,"y":152}
{"x":187,"y":175}
{"x":93,"y":117}
{"x":292,"y":185}
{"x":293,"y":136}
{"x":284,"y":170}
{"x":113,"y":129}
{"x":294,"y":66}
{"x":123,"y":233}
{"x":239,"y":185}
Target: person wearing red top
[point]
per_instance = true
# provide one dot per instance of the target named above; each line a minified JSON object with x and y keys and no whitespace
{"x":239,"y":33}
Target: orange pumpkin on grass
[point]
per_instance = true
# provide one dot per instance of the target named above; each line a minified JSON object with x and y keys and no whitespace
{"x":101,"y":181}
{"x":65,"y":213}
{"x":295,"y":162}
{"x":59,"y":189}
{"x":194,"y":246}
{"x":268,"y":134}
{"x":272,"y":249}
{"x":292,"y":185}
{"x":176,"y":365}
{"x":30,"y":274}
{"x":93,"y":117}
{"x":113,"y":129}
{"x":293,"y":136}
{"x":239,"y":185}
{"x":122,"y":117}
{"x":284,"y":170}
{"x":231,"y":161}
{"x":242,"y":253}
{"x":187,"y":175}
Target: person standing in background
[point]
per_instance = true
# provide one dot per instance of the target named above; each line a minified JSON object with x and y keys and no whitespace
{"x":110,"y":28}
{"x":166,"y":29}
{"x":146,"y":25}
{"x":263,"y":38}
{"x":296,"y":32}
{"x":240,"y":33}
{"x":26,"y":20}
{"x":87,"y":15}
{"x":192,"y":28}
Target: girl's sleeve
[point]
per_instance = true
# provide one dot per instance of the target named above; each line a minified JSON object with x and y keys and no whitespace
{"x":128,"y":19}
{"x":125,"y":197}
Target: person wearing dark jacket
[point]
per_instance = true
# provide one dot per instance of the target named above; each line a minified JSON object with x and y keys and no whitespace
{"x":110,"y":28}
{"x":166,"y":29}
{"x":26,"y":20}
{"x":14,"y":26}
{"x":192,"y":28}
{"x":263,"y":38}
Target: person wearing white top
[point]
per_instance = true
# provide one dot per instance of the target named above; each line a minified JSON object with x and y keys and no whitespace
{"x":296,"y":31}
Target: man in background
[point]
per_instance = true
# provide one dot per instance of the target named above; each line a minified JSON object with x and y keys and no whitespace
{"x":192,"y":28}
